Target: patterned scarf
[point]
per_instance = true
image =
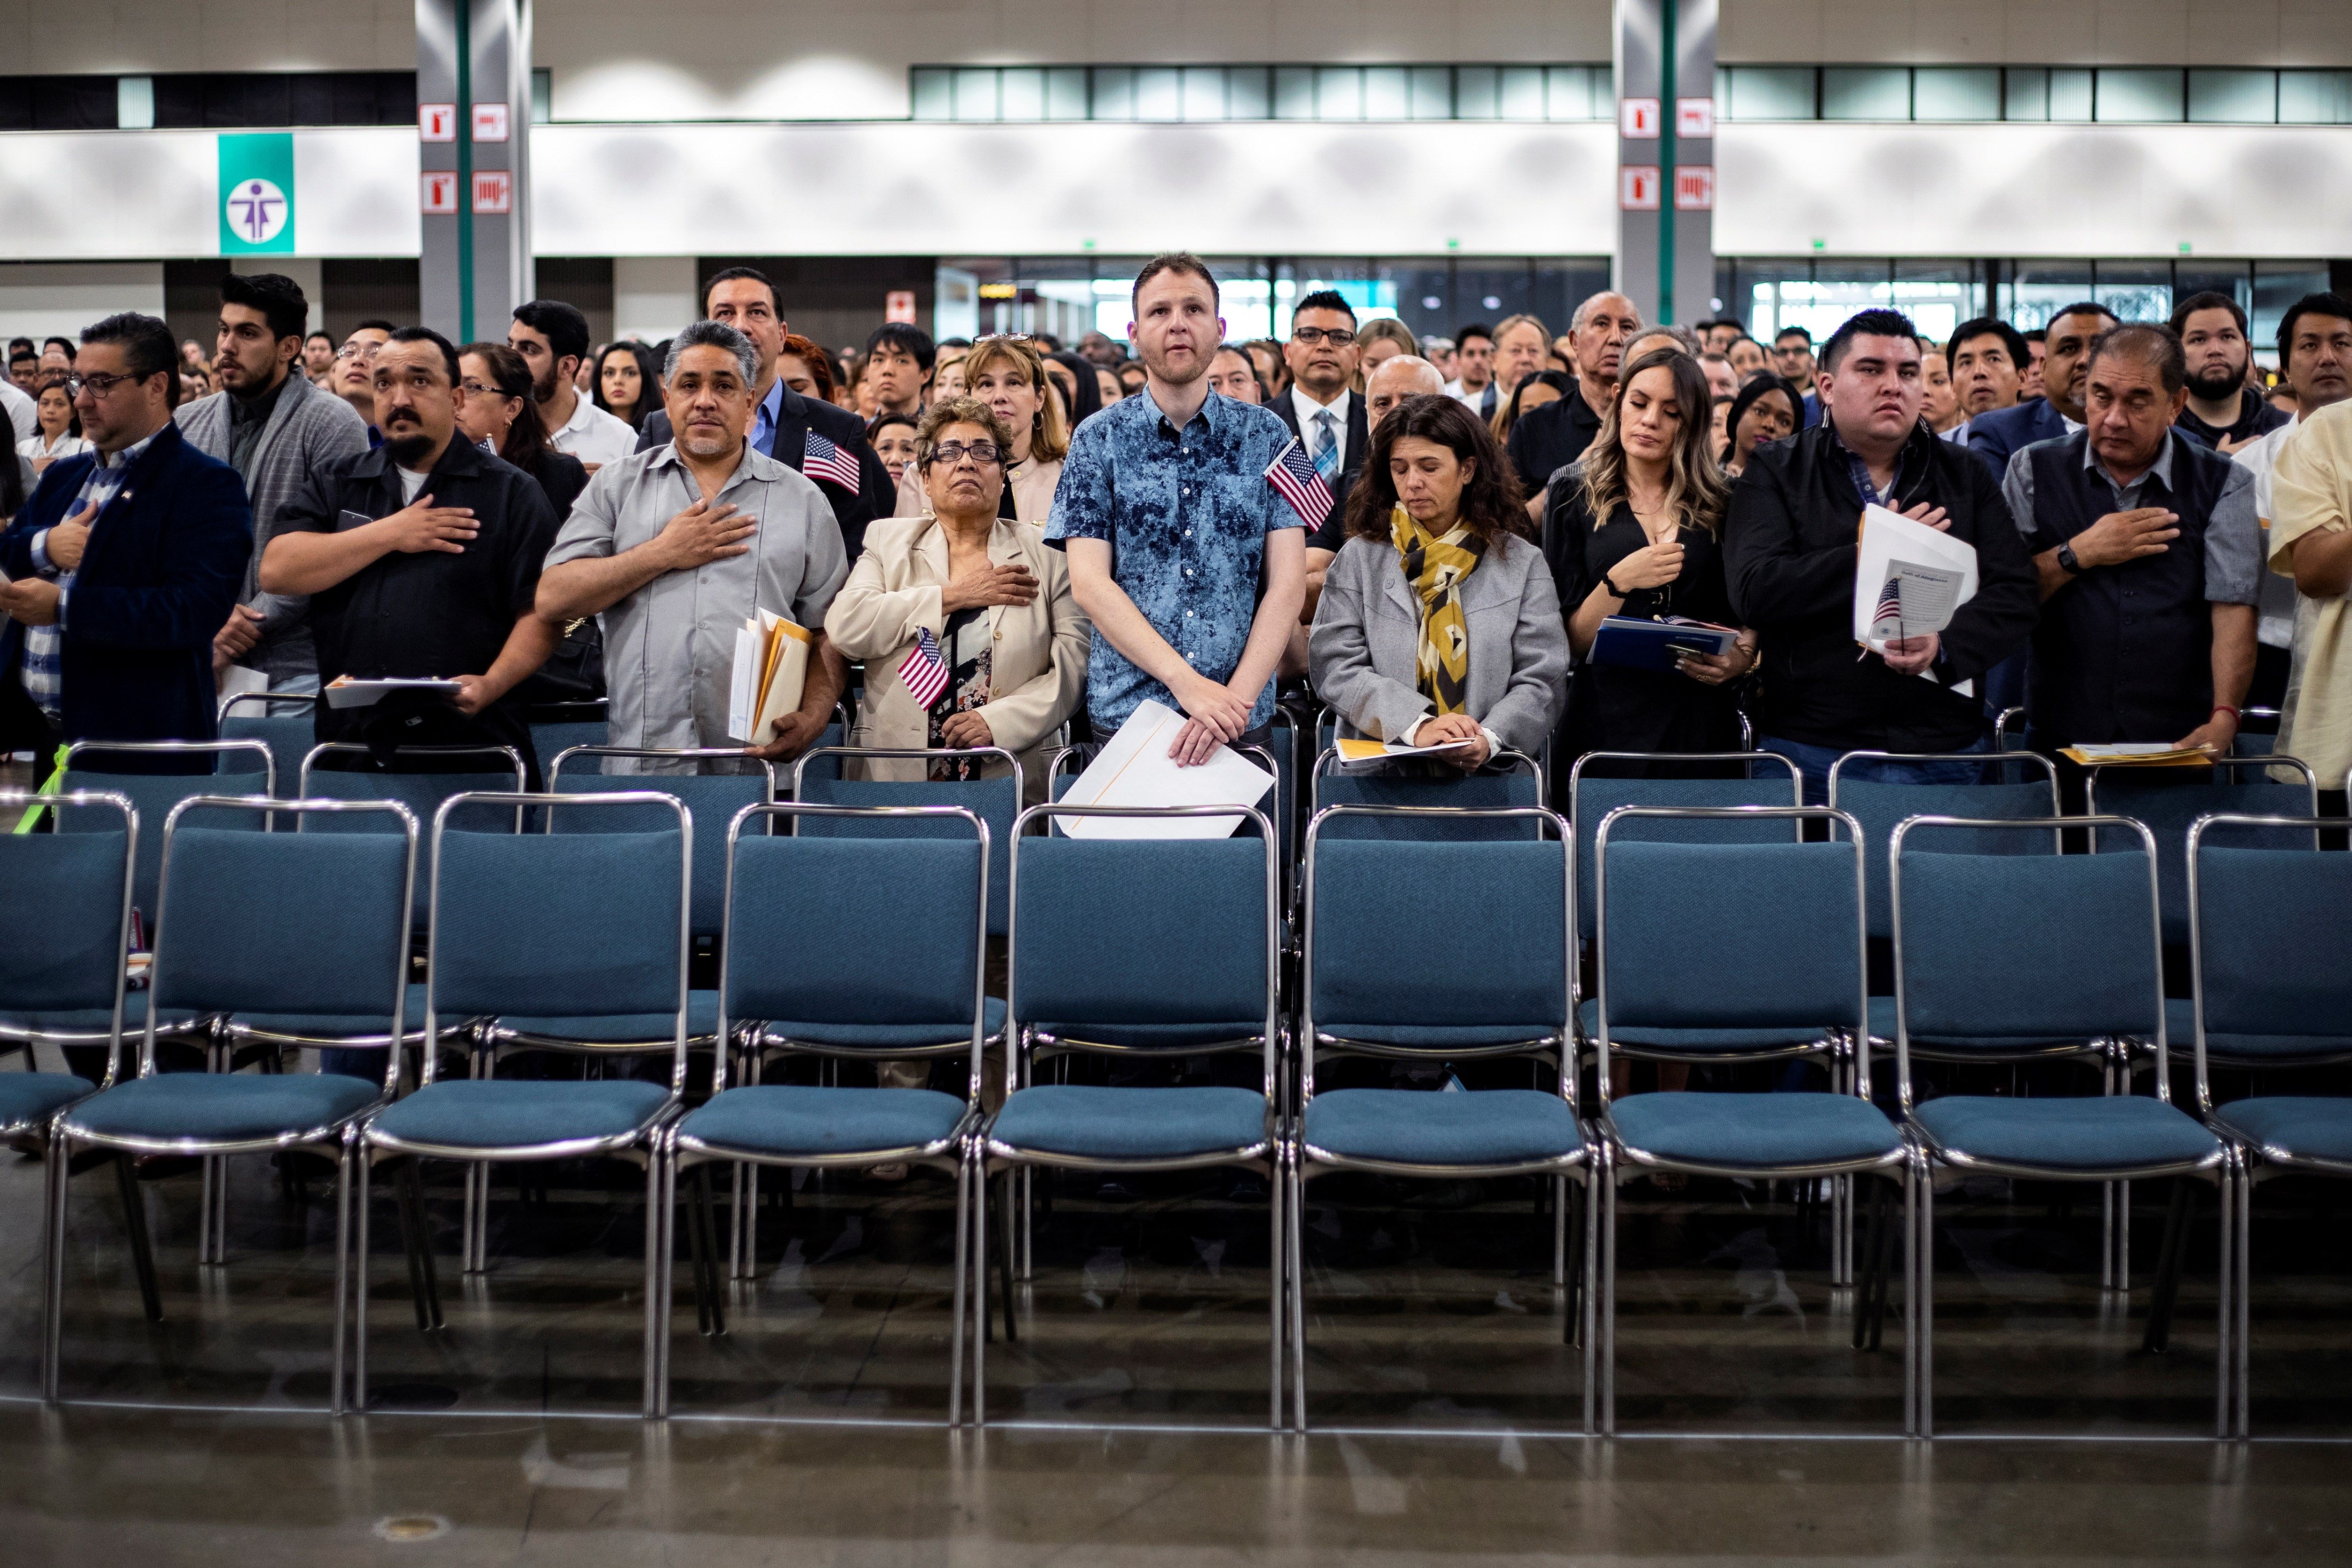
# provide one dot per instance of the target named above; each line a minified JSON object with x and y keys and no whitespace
{"x":1435,"y":566}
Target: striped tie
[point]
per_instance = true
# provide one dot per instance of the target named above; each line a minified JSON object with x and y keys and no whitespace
{"x":1326,"y":455}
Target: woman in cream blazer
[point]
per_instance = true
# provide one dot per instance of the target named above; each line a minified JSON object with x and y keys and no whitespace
{"x":995,"y":599}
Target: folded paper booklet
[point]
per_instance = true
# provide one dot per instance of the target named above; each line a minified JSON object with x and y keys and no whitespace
{"x":1364,"y":754}
{"x":1909,"y":580}
{"x":1134,"y":769}
{"x":771,"y":659}
{"x":345,"y":692}
{"x":1634,"y":643}
{"x":2139,"y":754}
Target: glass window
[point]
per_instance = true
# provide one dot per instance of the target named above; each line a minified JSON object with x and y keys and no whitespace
{"x":1568,"y":93}
{"x":1433,"y":92}
{"x":2025,"y":93}
{"x":1477,"y":92}
{"x":1866,"y":92}
{"x":1770,"y":92}
{"x":1065,"y":92}
{"x":1114,"y":92}
{"x":1245,"y":88}
{"x":1956,"y":92}
{"x":2234,"y":279}
{"x":1388,"y":94}
{"x":2134,"y":290}
{"x":1204,"y":92}
{"x":134,"y":102}
{"x":1023,"y":94}
{"x":2070,"y":94}
{"x":2139,"y":94}
{"x":2277,"y":285}
{"x":1159,"y":93}
{"x":934,"y":94}
{"x":1523,"y":92}
{"x":2239,"y":97}
{"x":1937,"y":295}
{"x":2038,"y":289}
{"x":1294,"y":92}
{"x":1338,"y":93}
{"x":542,"y":98}
{"x":975,"y":93}
{"x":2314,"y":98}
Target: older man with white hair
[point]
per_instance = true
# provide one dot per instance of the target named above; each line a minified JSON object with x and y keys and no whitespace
{"x":1556,"y":435}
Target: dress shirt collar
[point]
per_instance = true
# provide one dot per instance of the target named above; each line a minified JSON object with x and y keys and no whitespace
{"x":1209,"y":414}
{"x":133,"y":453}
{"x":750,"y":464}
{"x":2160,"y":470}
{"x":1307,"y":409}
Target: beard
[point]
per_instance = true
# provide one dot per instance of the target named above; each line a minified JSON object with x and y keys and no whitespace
{"x":2215,"y":386}
{"x":542,"y":385}
{"x":409,"y":450}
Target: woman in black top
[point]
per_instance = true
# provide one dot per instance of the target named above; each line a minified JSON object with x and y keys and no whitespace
{"x":500,"y":411}
{"x":1635,"y":529}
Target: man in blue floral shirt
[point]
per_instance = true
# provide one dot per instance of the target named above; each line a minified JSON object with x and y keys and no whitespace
{"x":1192,"y":567}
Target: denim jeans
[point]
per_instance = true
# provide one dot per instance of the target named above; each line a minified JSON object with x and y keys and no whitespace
{"x":1813,"y":764}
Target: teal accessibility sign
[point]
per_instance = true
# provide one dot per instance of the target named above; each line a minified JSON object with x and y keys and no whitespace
{"x":257,"y":194}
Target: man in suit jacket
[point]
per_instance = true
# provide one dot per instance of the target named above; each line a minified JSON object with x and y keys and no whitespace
{"x":123,"y":564}
{"x":2000,"y":435}
{"x":1320,"y":408}
{"x":782,"y":421}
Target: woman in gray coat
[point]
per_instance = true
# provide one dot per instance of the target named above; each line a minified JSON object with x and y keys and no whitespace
{"x":1439,"y":622}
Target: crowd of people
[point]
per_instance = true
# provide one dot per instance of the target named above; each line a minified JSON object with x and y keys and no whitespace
{"x":1011,"y":540}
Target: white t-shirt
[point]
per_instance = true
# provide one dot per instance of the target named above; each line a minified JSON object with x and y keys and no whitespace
{"x":22,"y":412}
{"x":411,"y":482}
{"x":593,"y":436}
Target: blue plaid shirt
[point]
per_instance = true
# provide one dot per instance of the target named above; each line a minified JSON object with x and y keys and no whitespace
{"x":43,"y":674}
{"x":1186,"y":512}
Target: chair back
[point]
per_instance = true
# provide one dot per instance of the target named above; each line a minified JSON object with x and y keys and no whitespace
{"x":422,"y":794}
{"x":553,"y":738}
{"x":996,"y":801}
{"x":563,"y":925}
{"x":1709,"y":936}
{"x":2266,"y":939}
{"x":1499,"y":805}
{"x":284,"y":922}
{"x":2170,"y":800}
{"x":153,"y":794}
{"x":709,"y":798}
{"x":855,"y":929}
{"x":65,"y":926}
{"x":2023,"y":946}
{"x":1593,"y":796}
{"x":1878,"y":804}
{"x":289,"y":736}
{"x":1123,"y":931}
{"x":1434,"y":933}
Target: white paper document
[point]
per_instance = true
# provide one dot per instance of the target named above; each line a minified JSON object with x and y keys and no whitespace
{"x":771,"y":669}
{"x":344,"y":692}
{"x":1135,"y":769}
{"x":1371,"y":753}
{"x":1908,"y":576}
{"x":237,"y":680}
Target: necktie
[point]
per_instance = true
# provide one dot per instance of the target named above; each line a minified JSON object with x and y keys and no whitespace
{"x":1327,"y":455}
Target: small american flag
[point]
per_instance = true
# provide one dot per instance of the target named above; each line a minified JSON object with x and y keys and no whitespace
{"x":923,"y":672}
{"x":1890,"y":602}
{"x":821,"y":460}
{"x":1292,"y":473}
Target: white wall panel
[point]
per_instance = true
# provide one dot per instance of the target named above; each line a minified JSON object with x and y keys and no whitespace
{"x":106,"y":194}
{"x":40,"y":299}
{"x":2033,"y":189}
{"x":356,"y":192}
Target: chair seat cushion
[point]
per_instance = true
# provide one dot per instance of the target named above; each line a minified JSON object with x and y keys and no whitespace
{"x":1111,"y":1122}
{"x":29,"y":1098}
{"x":1704,"y":1040}
{"x":2180,"y":1030}
{"x":792,"y":1119}
{"x":222,"y":1108}
{"x":884,"y":1037}
{"x":623,"y":1028}
{"x":1158,"y":1037}
{"x":2093,"y":1132}
{"x":338,"y":1026}
{"x":1436,"y":1036}
{"x":2292,"y":1126}
{"x":1429,"y":1127}
{"x":93,"y":1021}
{"x":1882,"y":1028}
{"x":521,"y":1113}
{"x":1754,"y":1132}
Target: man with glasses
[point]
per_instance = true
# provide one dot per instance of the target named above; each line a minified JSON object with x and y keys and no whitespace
{"x":677,"y":545}
{"x":123,"y":565}
{"x":1320,"y":409}
{"x":352,"y":379}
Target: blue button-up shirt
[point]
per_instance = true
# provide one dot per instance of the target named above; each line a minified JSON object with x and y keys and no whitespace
{"x":1186,"y":512}
{"x":763,"y":422}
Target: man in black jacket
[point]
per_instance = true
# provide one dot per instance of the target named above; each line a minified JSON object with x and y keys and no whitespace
{"x":784,"y":425}
{"x":1790,"y":546}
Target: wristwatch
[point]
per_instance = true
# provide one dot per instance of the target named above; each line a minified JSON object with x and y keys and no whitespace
{"x":2067,"y":558}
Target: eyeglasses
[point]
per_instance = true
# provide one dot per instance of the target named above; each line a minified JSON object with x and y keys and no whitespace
{"x":473,"y":388}
{"x":987,"y":453}
{"x":357,"y":350}
{"x":97,"y":383}
{"x":1337,"y":337}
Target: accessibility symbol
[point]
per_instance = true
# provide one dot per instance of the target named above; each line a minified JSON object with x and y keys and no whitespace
{"x":257,"y":210}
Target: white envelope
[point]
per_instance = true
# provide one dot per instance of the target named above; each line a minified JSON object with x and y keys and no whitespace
{"x":1134,"y":769}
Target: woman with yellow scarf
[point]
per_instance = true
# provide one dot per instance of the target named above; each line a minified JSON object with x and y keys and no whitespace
{"x":1439,"y":624}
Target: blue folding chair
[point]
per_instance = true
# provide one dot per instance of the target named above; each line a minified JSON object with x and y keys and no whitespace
{"x":1593,"y":795}
{"x":558,"y":728}
{"x":155,"y":794}
{"x":1475,"y":807}
{"x":1489,"y":978}
{"x":266,"y":922}
{"x":797,"y":907}
{"x":289,"y":736}
{"x":1755,"y":978}
{"x":2170,"y":801}
{"x":2056,"y":946}
{"x":996,"y":801}
{"x":2271,"y":992}
{"x":1094,"y":923}
{"x":586,"y":930}
{"x":422,"y":793}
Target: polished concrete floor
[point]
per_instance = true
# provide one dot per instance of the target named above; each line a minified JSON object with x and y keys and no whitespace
{"x":1446,"y":1404}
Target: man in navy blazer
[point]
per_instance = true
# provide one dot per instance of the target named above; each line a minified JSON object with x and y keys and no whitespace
{"x":2058,"y":412}
{"x":123,"y":565}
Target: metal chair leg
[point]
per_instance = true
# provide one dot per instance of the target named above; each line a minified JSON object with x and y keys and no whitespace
{"x":134,"y":1220}
{"x":1276,"y":1280}
{"x":1295,"y":1252}
{"x":981,"y":1326}
{"x":657,"y":1240}
{"x":343,"y":1269}
{"x":1587,"y":1334}
{"x":1607,"y":1301}
{"x":962,"y":1262}
{"x":57,"y":1171}
{"x":1870,"y":1309}
{"x":709,"y":1309}
{"x":2243,"y":1294}
{"x":2179,"y":1214}
{"x":1925,"y":1246}
{"x":1005,"y":1254}
{"x":359,"y":1397}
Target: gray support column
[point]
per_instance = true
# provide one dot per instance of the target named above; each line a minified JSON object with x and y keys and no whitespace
{"x":1665,"y":155}
{"x":473,"y":94}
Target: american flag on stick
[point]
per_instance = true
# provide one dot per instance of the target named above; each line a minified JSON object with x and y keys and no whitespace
{"x":1292,"y":473}
{"x":821,"y":460}
{"x":1890,"y":602}
{"x":923,"y":672}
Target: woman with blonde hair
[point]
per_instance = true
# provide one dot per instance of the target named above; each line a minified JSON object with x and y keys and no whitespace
{"x":1008,"y":375}
{"x":1377,"y":340}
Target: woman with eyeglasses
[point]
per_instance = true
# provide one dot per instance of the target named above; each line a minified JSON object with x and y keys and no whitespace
{"x":500,"y":416}
{"x":993,"y":598}
{"x":1008,"y":374}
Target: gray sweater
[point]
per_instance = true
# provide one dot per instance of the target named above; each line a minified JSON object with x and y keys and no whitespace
{"x":308,"y":430}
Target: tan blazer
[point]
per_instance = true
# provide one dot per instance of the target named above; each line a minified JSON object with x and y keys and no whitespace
{"x":1039,"y":654}
{"x":1032,"y":491}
